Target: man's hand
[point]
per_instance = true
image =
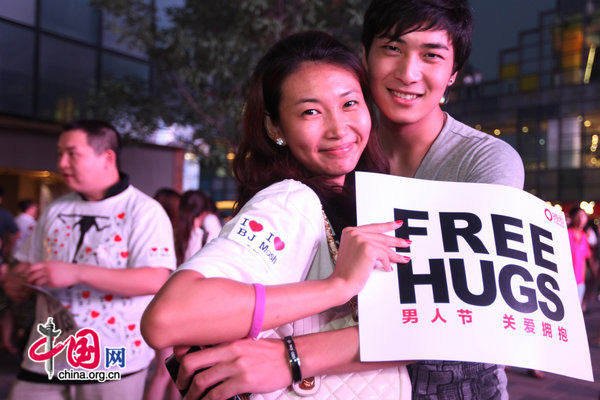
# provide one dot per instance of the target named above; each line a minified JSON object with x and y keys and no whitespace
{"x":55,"y":274}
{"x":14,"y":285}
{"x":243,"y":366}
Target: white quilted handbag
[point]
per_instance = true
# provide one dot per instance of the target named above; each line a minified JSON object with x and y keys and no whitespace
{"x":383,"y":384}
{"x":390,"y":383}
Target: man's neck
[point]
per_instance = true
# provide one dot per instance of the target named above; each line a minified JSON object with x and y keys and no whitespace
{"x":110,"y":187}
{"x":405,"y":145}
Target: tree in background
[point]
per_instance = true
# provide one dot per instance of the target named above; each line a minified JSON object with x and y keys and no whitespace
{"x":203,"y":53}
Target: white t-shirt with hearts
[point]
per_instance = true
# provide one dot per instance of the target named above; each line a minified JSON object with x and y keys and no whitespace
{"x":127,"y":230}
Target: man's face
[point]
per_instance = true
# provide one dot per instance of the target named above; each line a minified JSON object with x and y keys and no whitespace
{"x":83,"y":170}
{"x":409,"y":76}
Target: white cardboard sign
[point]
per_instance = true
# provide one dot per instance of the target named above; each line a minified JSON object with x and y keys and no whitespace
{"x":490,"y":278}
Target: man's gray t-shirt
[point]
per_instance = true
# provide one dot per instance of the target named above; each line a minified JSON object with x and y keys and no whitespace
{"x":463,"y":154}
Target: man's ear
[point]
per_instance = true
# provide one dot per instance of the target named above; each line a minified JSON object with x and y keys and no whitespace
{"x":452,"y":78}
{"x":273,"y":131}
{"x":111,"y":157}
{"x":364,"y":58}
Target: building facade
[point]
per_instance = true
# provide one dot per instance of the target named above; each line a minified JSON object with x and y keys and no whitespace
{"x":54,"y":54}
{"x":546,"y":102}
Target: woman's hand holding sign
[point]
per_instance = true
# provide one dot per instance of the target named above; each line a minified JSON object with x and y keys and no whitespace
{"x":364,"y":247}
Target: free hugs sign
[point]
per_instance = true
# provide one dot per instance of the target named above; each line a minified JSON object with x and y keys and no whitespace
{"x":490,"y":278}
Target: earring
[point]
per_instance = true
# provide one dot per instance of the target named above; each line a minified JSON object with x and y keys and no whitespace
{"x":451,"y":81}
{"x":279,"y":141}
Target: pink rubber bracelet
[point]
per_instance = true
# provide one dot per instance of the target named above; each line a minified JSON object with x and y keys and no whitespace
{"x":259,"y":311}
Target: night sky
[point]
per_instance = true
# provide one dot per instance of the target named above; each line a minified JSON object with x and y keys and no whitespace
{"x":497,"y":27}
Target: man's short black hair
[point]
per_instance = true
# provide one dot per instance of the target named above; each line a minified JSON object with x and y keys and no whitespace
{"x":394,"y":18}
{"x":101,"y":135}
{"x":24,"y":204}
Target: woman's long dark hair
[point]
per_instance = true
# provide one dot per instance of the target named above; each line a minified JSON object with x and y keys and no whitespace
{"x":192,"y":204}
{"x":259,"y":162}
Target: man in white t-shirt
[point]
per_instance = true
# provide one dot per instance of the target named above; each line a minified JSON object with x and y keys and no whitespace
{"x":102,"y":252}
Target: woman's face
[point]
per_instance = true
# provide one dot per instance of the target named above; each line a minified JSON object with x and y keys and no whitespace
{"x":580,"y":219}
{"x":324,"y":119}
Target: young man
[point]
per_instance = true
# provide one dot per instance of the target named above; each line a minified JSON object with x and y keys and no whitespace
{"x":413,"y":50}
{"x":102,"y":251}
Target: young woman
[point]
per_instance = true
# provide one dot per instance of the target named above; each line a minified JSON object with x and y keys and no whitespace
{"x":580,"y":248}
{"x":307,"y":126}
{"x":190,"y":236}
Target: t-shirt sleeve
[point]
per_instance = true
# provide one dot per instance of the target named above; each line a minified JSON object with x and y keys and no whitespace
{"x":151,"y":239}
{"x":212,"y":226}
{"x":272,"y":240}
{"x":497,"y":162}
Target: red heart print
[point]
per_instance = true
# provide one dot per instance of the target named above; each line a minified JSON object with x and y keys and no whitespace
{"x":68,"y":306}
{"x":56,"y":231}
{"x":111,"y":321}
{"x":85,"y":294}
{"x":55,"y":240}
{"x":131,"y":327}
{"x":137,"y":343}
{"x":121,"y":216}
{"x":154,"y":248}
{"x":62,"y":245}
{"x":68,"y":234}
{"x":166,"y":249}
{"x":255,"y":226}
{"x":108,"y":297}
{"x":88,"y":249}
{"x":124,"y":254}
{"x":68,"y":226}
{"x":55,"y":252}
{"x":279,"y":244}
{"x":118,"y":238}
{"x":95,"y":314}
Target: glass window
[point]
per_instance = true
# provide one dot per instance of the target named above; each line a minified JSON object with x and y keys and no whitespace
{"x":73,"y":18}
{"x":563,"y":143}
{"x":509,"y":56}
{"x":21,"y":11}
{"x":530,"y":53}
{"x":16,"y":69}
{"x":530,"y":38}
{"x":528,"y":143}
{"x":529,"y":67}
{"x":545,"y":81}
{"x":67,"y":76}
{"x":548,"y":64}
{"x":118,"y":67}
{"x":548,"y":19}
